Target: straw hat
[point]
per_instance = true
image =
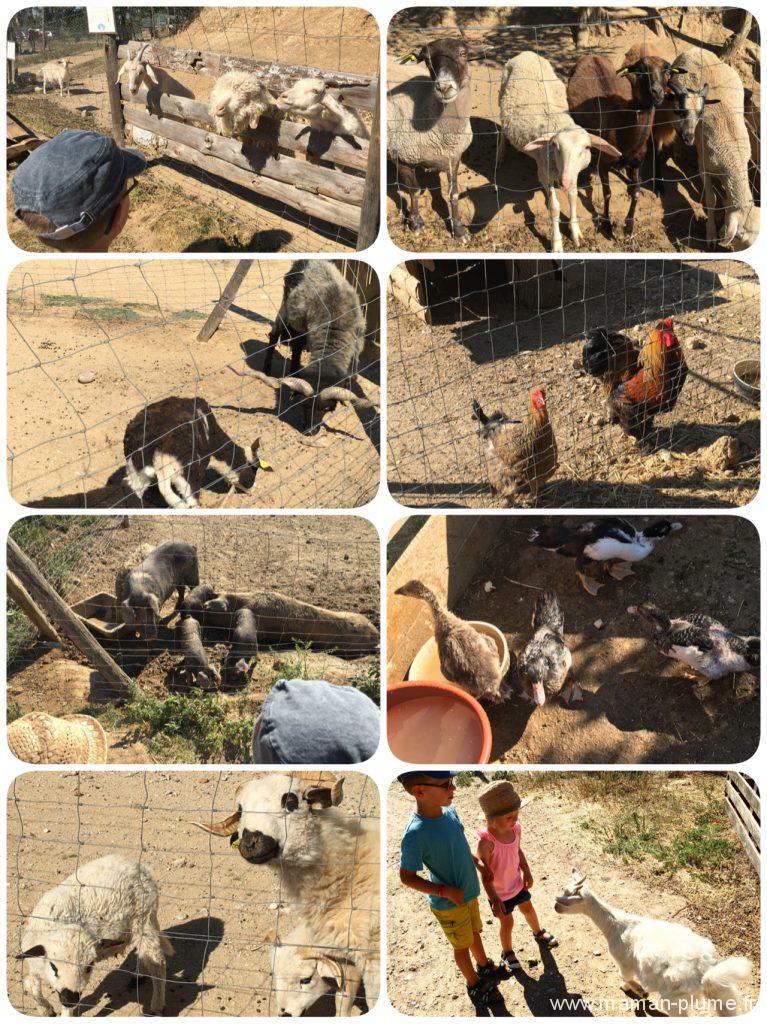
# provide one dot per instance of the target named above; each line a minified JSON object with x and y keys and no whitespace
{"x":39,"y":738}
{"x":499,"y":798}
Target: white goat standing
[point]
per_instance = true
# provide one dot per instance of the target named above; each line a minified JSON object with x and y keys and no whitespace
{"x":107,"y":906}
{"x":237,"y":101}
{"x":661,"y":956}
{"x":139,"y":72}
{"x":56,"y":72}
{"x":536,"y":121}
{"x":310,"y":99}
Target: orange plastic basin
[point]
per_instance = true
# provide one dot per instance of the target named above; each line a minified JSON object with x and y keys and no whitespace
{"x":436,"y":723}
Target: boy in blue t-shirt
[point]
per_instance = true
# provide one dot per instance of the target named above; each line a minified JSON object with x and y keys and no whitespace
{"x":434,"y":837}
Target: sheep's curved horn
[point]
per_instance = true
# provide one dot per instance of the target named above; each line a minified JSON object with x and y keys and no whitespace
{"x":337,"y":394}
{"x":325,"y":796}
{"x":303,"y":387}
{"x":224,"y":828}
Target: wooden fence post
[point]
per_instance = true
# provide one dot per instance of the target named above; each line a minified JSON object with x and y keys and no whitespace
{"x":34,"y":613}
{"x":228,"y":295}
{"x":113,"y":89}
{"x":371,"y":202}
{"x":59,"y":612}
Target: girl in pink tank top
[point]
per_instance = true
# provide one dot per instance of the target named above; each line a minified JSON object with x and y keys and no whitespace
{"x":500,"y":850}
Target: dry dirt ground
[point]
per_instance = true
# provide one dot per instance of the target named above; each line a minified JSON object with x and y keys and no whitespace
{"x":134,"y":326}
{"x":175,"y":208}
{"x":638,"y":706}
{"x":220,"y":913}
{"x":558,"y":834}
{"x":493,"y":342}
{"x":505,"y":209}
{"x":325,"y":560}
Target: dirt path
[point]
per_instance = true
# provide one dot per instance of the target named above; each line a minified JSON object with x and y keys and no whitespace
{"x":422,"y":980}
{"x":492,"y":342}
{"x":220,"y":913}
{"x":638,"y":706}
{"x":134,"y":326}
{"x":506,"y":208}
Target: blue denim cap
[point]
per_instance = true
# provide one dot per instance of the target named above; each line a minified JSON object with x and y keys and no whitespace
{"x":74,"y":179}
{"x":425,"y":773}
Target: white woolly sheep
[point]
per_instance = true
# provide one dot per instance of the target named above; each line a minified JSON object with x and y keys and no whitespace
{"x":535,"y":120}
{"x":660,"y":956}
{"x":105,"y":908}
{"x":139,"y":73}
{"x":57,"y":73}
{"x":311,"y":100}
{"x":327,"y":861}
{"x":237,"y":101}
{"x":711,"y":113}
{"x":429,"y":124}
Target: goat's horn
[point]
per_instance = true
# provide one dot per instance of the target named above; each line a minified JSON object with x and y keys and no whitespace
{"x":338,"y":394}
{"x":294,"y":383}
{"x":224,"y":828}
{"x":303,"y":387}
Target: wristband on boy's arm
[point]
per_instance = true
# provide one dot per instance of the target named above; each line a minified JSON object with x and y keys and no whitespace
{"x":441,"y":891}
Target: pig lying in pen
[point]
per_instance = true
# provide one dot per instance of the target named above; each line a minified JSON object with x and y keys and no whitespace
{"x":279,"y":618}
{"x":142,"y":591}
{"x":195,"y":669}
{"x":241,"y":658}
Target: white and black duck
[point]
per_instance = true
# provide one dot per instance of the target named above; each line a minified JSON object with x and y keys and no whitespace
{"x":612,"y":541}
{"x":546,"y":659}
{"x":705,"y":645}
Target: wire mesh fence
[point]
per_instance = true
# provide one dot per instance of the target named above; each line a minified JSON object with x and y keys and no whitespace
{"x":569,"y":74}
{"x":289,"y":183}
{"x":232,"y":924}
{"x":131,"y":342}
{"x":468,"y":334}
{"x":310,"y":582}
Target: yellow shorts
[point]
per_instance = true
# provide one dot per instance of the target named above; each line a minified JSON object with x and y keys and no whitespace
{"x":460,"y":923}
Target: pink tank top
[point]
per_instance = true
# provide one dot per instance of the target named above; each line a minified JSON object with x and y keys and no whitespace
{"x":504,"y":863}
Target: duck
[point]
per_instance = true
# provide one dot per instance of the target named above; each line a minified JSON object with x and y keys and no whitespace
{"x":613,"y":541}
{"x":546,"y":659}
{"x":702,"y":643}
{"x":466,"y":656}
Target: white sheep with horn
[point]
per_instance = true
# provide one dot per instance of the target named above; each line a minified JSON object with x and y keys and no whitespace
{"x":140,"y":73}
{"x":661,"y":956}
{"x":328,"y":865}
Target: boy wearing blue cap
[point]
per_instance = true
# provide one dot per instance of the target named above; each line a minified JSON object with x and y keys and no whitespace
{"x":72,"y":192}
{"x":434,"y":837}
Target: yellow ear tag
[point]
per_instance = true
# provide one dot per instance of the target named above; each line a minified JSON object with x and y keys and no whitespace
{"x":409,"y":58}
{"x":623,"y":72}
{"x":235,"y":843}
{"x":263,"y":464}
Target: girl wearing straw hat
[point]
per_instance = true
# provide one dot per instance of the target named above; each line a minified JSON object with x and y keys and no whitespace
{"x":508,"y":879}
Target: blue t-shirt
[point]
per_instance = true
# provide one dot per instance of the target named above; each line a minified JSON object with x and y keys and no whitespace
{"x":440,"y":844}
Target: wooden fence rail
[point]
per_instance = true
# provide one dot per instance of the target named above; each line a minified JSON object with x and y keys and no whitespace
{"x":344,"y":196}
{"x":744,"y":811}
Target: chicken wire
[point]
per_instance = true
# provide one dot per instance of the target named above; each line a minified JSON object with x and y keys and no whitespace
{"x":500,"y":197}
{"x":489,"y":331}
{"x":181,"y":207}
{"x":221,"y":914}
{"x":323,"y":561}
{"x":130,"y":329}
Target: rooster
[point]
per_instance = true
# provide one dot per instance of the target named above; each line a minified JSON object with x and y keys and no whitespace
{"x":521,"y":455}
{"x":611,"y":356}
{"x":655,"y":387}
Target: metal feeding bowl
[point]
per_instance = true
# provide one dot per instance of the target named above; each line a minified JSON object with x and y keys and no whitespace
{"x":745,"y":373}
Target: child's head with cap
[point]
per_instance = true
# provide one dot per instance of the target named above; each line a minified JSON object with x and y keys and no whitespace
{"x":71,"y":192}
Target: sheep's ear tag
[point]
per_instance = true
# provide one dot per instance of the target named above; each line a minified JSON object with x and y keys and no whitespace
{"x":623,"y":72}
{"x":409,"y":58}
{"x":234,"y":840}
{"x":263,"y":464}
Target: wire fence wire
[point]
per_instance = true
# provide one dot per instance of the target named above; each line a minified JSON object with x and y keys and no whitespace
{"x":501,"y":200}
{"x":186,"y":202}
{"x":485,"y":331}
{"x":313,"y":583}
{"x":223,"y":916}
{"x":91,"y":345}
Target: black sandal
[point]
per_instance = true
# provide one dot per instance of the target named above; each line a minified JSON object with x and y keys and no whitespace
{"x":510,"y":961}
{"x":546,"y":939}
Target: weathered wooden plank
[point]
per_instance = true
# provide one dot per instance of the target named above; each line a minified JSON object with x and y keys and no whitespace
{"x":31,"y":609}
{"x":286,"y":134}
{"x":358,"y":90}
{"x":113,"y":89}
{"x":370,"y":217}
{"x":330,"y":210}
{"x":749,"y":793}
{"x":744,"y":812}
{"x":748,"y":844}
{"x":228,"y":295}
{"x":302,"y":175}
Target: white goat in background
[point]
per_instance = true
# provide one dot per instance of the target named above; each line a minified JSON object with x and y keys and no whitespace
{"x":661,"y":956}
{"x":57,"y":72}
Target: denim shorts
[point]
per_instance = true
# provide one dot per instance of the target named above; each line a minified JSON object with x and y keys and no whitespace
{"x":522,"y":897}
